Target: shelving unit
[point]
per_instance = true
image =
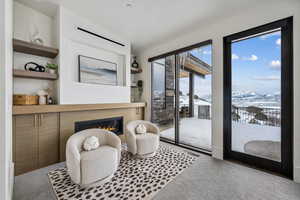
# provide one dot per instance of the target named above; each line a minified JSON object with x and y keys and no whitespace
{"x":34,"y":75}
{"x":38,"y":50}
{"x":34,"y":49}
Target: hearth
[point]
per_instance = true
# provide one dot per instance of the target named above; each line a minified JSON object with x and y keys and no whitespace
{"x":114,"y":125}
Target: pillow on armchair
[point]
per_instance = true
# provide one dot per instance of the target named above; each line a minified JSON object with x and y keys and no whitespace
{"x":140,"y":129}
{"x":91,"y":143}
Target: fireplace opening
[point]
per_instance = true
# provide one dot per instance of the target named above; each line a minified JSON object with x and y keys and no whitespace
{"x":114,"y":125}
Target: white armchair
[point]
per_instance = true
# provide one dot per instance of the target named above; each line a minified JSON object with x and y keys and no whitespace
{"x":94,"y":167}
{"x":142,"y":145}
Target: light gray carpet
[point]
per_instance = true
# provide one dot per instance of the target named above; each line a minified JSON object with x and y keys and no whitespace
{"x":206,"y":179}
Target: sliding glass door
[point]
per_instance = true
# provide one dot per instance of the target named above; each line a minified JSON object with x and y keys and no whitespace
{"x":181,"y":96}
{"x":258,"y":96}
{"x":163,"y":96}
{"x":194,"y":81}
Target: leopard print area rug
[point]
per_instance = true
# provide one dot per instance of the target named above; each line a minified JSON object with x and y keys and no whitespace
{"x":135,"y":179}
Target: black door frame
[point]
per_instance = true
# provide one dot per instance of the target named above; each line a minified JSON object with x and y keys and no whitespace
{"x":176,"y":53}
{"x":285,"y":167}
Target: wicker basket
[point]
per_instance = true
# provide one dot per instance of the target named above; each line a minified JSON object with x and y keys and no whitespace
{"x":20,"y":99}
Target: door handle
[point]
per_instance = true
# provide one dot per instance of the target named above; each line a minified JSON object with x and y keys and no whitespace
{"x":41,"y":119}
{"x":35,"y":118}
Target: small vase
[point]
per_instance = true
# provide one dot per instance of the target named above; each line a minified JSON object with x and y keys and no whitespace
{"x":42,"y":100}
{"x":52,"y":71}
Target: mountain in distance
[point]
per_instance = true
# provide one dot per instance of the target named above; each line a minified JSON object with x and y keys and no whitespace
{"x":251,"y":98}
{"x":247,"y":98}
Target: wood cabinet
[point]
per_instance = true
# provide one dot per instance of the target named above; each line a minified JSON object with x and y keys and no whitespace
{"x":36,"y":141}
{"x":25,"y":143}
{"x":48,"y":139}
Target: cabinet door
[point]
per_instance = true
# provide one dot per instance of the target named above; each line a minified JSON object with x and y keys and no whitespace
{"x":48,"y":139}
{"x":26,"y":143}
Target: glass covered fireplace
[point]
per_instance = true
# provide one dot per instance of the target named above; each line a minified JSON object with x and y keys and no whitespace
{"x":114,"y":125}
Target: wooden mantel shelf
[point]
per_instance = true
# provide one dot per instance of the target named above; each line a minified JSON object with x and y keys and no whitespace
{"x":33,"y":109}
{"x":34,"y":75}
{"x":34,"y":49}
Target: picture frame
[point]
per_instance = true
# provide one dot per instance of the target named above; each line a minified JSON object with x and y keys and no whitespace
{"x":97,"y":71}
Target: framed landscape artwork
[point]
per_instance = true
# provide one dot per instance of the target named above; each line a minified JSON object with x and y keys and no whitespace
{"x":97,"y":71}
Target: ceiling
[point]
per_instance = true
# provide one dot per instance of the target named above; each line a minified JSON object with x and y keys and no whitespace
{"x":149,"y":22}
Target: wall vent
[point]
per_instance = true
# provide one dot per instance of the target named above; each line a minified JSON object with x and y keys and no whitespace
{"x":99,"y":36}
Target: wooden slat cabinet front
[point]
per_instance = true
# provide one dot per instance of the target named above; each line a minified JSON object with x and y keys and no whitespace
{"x":25,"y":143}
{"x":35,"y":141}
{"x":48,"y":139}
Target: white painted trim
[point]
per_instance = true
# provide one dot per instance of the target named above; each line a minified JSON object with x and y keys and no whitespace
{"x":12,"y":177}
{"x":6,"y":99}
{"x":217,"y":152}
{"x":297,"y":174}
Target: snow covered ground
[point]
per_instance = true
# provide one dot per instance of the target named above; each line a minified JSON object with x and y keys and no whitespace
{"x":243,"y":133}
{"x":197,"y":132}
{"x":193,"y":131}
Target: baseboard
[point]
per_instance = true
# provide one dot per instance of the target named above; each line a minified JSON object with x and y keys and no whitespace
{"x":11,"y":178}
{"x":297,"y":174}
{"x":217,"y":152}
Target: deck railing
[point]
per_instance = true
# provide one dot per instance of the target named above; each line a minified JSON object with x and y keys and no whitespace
{"x":257,"y":115}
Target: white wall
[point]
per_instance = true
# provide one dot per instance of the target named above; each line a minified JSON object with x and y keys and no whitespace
{"x":6,"y":100}
{"x":73,"y":43}
{"x":26,"y":21}
{"x":256,"y":16}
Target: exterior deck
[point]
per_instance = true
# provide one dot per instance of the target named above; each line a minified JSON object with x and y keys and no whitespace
{"x":197,"y":132}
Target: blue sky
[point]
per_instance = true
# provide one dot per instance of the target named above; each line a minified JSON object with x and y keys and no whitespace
{"x":256,"y":64}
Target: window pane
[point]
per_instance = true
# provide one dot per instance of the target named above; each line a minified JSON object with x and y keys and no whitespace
{"x":195,"y":97}
{"x":163,"y":96}
{"x":158,"y":68}
{"x":256,"y":96}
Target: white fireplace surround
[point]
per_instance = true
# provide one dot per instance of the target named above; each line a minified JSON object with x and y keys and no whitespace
{"x":73,"y":42}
